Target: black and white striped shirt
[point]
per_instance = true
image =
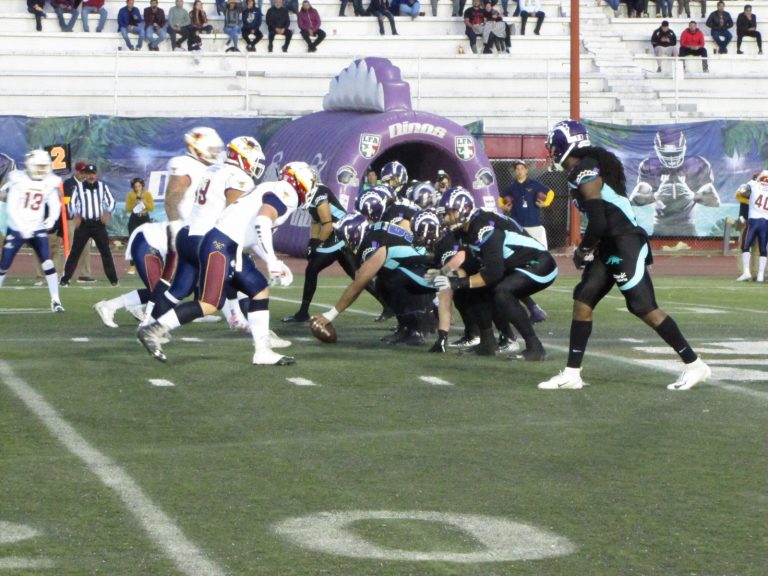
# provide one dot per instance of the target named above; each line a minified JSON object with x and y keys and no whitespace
{"x":91,"y":200}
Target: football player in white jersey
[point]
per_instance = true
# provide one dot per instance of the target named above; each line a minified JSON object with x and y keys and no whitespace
{"x":219,"y":186}
{"x":246,"y":224}
{"x":756,"y":192}
{"x":28,"y":193}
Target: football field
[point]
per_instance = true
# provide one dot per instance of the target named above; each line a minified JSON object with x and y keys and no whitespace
{"x":365,"y":459}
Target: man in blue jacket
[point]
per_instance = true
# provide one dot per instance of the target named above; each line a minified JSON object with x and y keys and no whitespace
{"x":129,"y":21}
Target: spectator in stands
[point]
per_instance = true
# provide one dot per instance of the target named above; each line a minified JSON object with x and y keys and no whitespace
{"x":309,"y":26}
{"x":719,"y":23}
{"x":251,"y":25}
{"x":530,"y":8}
{"x":379,"y":9}
{"x":371,"y":179}
{"x":62,"y":7}
{"x":692,"y":44}
{"x":220,"y":5}
{"x":664,"y":42}
{"x":154,"y":26}
{"x":232,"y":18}
{"x":474,"y":20}
{"x":494,"y":30}
{"x":94,"y":6}
{"x":198,"y":24}
{"x":746,"y":25}
{"x":178,"y":24}
{"x":37,"y":8}
{"x":703,"y":8}
{"x":434,"y":7}
{"x":410,"y":8}
{"x":129,"y":22}
{"x":664,"y":7}
{"x":278,"y":22}
{"x":683,"y":6}
{"x":458,"y":7}
{"x":356,"y":4}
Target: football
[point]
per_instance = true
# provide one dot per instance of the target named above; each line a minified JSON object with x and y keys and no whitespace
{"x":325,"y":333}
{"x":541,"y":197}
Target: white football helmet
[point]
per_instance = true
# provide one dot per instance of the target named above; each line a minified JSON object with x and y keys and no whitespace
{"x":204,"y":144}
{"x":38,"y":164}
{"x":763,"y":176}
{"x":303,"y":178}
{"x":245,"y":152}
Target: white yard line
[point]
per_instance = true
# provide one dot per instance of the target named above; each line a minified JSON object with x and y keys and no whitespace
{"x":435,"y":381}
{"x":13,"y":563}
{"x":161,"y":383}
{"x":301,"y":382}
{"x":160,"y":528}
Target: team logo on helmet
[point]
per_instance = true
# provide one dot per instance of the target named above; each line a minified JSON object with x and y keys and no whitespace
{"x":465,"y":147}
{"x":369,"y":145}
{"x":483,"y":178}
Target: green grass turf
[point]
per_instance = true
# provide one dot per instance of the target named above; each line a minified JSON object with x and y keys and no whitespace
{"x":639,"y":479}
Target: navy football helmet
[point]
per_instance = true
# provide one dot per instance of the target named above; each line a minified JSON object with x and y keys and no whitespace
{"x":564,"y":138}
{"x":458,"y":205}
{"x":670,"y":146}
{"x":426,"y":227}
{"x":372,"y":204}
{"x":424,"y":194}
{"x":394,"y":174}
{"x":351,"y":228}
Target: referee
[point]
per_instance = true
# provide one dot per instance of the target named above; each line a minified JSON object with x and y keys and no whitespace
{"x":91,"y":207}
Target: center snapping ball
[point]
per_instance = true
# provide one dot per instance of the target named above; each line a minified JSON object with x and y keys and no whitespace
{"x":325,"y":333}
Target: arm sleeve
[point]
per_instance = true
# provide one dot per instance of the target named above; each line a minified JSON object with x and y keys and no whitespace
{"x":596,"y":225}
{"x":263,"y":246}
{"x":109,"y":200}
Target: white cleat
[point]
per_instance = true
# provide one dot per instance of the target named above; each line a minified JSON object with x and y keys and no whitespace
{"x":152,"y":337}
{"x":275,"y":341}
{"x":56,"y":306}
{"x":106,"y":314}
{"x":760,"y":278}
{"x":568,"y":379}
{"x":269,"y":358}
{"x":137,"y":312}
{"x":746,"y":277}
{"x":694,"y":373}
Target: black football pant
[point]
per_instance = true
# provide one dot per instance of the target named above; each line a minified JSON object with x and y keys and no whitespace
{"x":91,"y":230}
{"x":409,"y":299}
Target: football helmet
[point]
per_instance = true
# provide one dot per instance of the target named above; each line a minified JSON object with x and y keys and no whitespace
{"x":351,"y":228}
{"x":458,"y":205}
{"x":564,"y":138}
{"x":670,"y":147}
{"x":426,"y":227}
{"x":372,"y":203}
{"x":424,"y":194}
{"x":245,"y":153}
{"x":204,"y":144}
{"x":394,"y":174}
{"x":38,"y":164}
{"x":303,"y":178}
{"x":763,"y":176}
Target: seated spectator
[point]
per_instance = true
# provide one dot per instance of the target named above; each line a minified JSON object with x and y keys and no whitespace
{"x":94,"y":6}
{"x":684,"y":6}
{"x":178,"y":24}
{"x":278,"y":22}
{"x":719,"y":22}
{"x":309,"y":26}
{"x":356,"y":4}
{"x":198,"y":24}
{"x":251,"y":23}
{"x":379,"y":9}
{"x":692,"y":44}
{"x":37,"y":8}
{"x":746,"y":25}
{"x":474,"y":22}
{"x":458,"y":8}
{"x":62,"y":7}
{"x":494,"y":30}
{"x":530,"y":8}
{"x":220,"y":5}
{"x":703,"y":8}
{"x":232,"y":19}
{"x":664,"y":42}
{"x":664,"y":7}
{"x":154,"y":26}
{"x":129,"y":22}
{"x":638,"y":8}
{"x":410,"y":8}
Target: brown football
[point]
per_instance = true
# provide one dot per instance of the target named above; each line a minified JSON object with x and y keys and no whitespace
{"x":325,"y":333}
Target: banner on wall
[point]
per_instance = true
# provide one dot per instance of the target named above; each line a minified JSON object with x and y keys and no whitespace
{"x":682,"y":178}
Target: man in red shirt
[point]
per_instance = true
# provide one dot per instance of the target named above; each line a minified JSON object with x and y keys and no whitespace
{"x":692,"y":44}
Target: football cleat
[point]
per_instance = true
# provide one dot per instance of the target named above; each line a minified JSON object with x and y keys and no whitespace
{"x":152,"y":337}
{"x":276,"y":342}
{"x":745,"y":277}
{"x":568,"y":379}
{"x":56,"y":306}
{"x":465,"y":342}
{"x":538,"y":315}
{"x":106,"y":314}
{"x":137,"y":312}
{"x":533,"y":354}
{"x":270,"y":358}
{"x":694,"y":373}
{"x":507,"y":345}
{"x":414,"y":338}
{"x":296,"y":318}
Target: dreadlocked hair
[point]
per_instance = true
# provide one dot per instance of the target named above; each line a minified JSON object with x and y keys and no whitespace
{"x":611,"y":168}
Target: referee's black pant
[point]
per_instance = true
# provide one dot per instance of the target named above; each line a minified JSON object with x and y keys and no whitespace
{"x":96,"y":230}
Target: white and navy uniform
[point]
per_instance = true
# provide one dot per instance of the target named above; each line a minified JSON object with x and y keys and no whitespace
{"x":27,"y":201}
{"x":222,"y":262}
{"x":147,"y":249}
{"x":210,"y":200}
{"x":757,"y":217}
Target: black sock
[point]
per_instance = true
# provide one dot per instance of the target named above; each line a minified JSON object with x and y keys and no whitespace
{"x":189,"y":311}
{"x":671,"y":334}
{"x":580,"y":332}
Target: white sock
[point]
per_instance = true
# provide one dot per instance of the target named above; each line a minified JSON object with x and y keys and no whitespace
{"x":53,"y":285}
{"x":130,"y":299}
{"x":745,"y":262}
{"x":2,"y":279}
{"x":259,"y":323}
{"x":170,"y":320}
{"x":148,"y":314}
{"x":761,"y":266}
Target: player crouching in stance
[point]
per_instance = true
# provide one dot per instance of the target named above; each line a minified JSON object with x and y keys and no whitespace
{"x":513,"y":265}
{"x":613,"y":251}
{"x":27,"y":193}
{"x":245,"y":224}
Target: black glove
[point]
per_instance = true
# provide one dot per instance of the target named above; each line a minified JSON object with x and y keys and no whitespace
{"x":312,"y":246}
{"x":581,"y":257}
{"x":440,"y":343}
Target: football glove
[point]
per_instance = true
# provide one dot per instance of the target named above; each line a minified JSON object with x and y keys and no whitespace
{"x":312,"y":246}
{"x":443,"y":282}
{"x":582,"y":257}
{"x":280,"y":274}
